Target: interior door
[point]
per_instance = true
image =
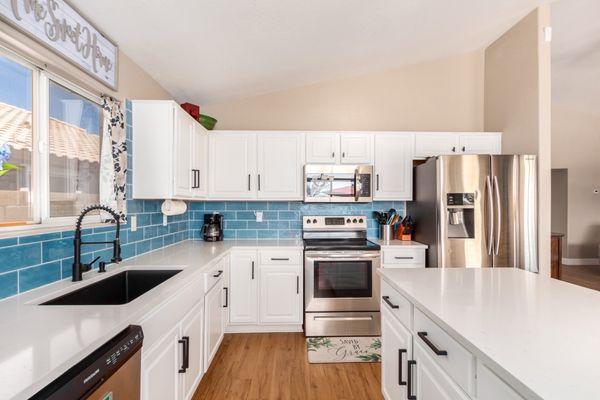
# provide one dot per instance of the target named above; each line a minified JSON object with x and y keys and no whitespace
{"x":232,"y":165}
{"x":280,"y":166}
{"x":396,"y":350}
{"x":183,"y":154}
{"x":357,"y":148}
{"x":465,"y":195}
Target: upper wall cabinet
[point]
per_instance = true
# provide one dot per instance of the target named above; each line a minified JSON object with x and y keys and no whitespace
{"x":393,"y":166}
{"x":280,"y":165}
{"x":232,"y":165}
{"x":336,"y":148}
{"x":429,"y":144}
{"x":169,"y":152}
{"x":247,"y":165}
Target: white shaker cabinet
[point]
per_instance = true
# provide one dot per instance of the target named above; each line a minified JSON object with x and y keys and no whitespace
{"x":322,"y":148}
{"x":232,"y":165}
{"x":393,"y":175}
{"x":280,"y":299}
{"x":428,"y":144}
{"x":191,"y":331}
{"x":164,"y":151}
{"x":160,"y":377}
{"x":280,"y":162}
{"x":356,"y":148}
{"x":214,"y":322}
{"x":396,"y":344}
{"x":429,"y":382}
{"x":339,"y":148}
{"x":243,"y":287}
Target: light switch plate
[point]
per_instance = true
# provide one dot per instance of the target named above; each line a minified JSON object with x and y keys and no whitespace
{"x":133,"y":221}
{"x":259,"y":216}
{"x":165,"y":221}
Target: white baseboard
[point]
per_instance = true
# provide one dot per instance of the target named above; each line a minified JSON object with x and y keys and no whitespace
{"x":263,"y":328}
{"x":580,"y":261}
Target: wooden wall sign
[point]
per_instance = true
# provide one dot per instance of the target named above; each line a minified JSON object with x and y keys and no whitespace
{"x":60,"y":27}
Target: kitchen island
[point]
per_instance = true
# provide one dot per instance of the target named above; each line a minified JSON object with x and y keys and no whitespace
{"x":488,"y":334}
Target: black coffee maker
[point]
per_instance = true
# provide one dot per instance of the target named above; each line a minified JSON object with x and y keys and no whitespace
{"x":212,"y":230}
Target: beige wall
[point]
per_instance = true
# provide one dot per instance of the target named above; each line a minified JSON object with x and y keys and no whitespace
{"x":517,"y":102}
{"x":576,"y":147}
{"x":133,"y":81}
{"x":444,"y":95}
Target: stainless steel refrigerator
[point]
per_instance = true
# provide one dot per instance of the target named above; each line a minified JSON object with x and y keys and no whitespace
{"x":477,"y":211}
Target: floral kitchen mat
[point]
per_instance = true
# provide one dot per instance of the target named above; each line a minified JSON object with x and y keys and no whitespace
{"x":343,"y":349}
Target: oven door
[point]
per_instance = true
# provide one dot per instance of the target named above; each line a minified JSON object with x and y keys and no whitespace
{"x":341,"y":281}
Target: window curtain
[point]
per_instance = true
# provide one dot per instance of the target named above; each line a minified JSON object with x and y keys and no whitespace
{"x":113,"y":160}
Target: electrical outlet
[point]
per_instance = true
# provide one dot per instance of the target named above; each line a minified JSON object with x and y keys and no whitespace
{"x":133,"y":221}
{"x":259,"y":216}
{"x":165,"y":220}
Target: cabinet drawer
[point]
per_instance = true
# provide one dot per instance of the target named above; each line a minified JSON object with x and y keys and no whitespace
{"x":215,"y":273}
{"x":397,"y":304}
{"x":458,"y":362}
{"x":280,"y":257}
{"x":398,"y":257}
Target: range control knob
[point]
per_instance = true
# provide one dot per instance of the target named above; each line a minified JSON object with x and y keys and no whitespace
{"x":354,"y":220}
{"x":348,"y":221}
{"x":314,"y":221}
{"x":360,"y":221}
{"x":308,"y":221}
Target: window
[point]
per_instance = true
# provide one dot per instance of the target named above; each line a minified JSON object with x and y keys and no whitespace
{"x":50,"y":144}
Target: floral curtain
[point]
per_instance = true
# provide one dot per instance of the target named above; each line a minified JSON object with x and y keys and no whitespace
{"x":113,"y":160}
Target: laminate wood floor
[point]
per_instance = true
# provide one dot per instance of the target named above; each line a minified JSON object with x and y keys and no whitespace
{"x":582,"y":275}
{"x":257,"y":366}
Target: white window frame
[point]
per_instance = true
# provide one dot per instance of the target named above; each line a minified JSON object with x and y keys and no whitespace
{"x":40,"y":155}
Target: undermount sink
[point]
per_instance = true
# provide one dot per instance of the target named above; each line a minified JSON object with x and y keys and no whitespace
{"x":117,"y":289}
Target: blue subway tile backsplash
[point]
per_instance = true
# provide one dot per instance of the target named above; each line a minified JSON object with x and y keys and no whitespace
{"x":30,"y":261}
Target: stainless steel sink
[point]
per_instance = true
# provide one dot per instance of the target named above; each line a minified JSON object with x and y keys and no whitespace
{"x":117,"y":289}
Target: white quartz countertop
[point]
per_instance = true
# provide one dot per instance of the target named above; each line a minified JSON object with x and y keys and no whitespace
{"x":540,"y":335}
{"x":39,"y":343}
{"x":399,"y":243}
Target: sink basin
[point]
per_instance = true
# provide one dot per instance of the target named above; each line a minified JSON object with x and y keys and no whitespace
{"x":117,"y":289}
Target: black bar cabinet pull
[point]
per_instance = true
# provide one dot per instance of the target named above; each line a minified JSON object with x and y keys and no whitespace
{"x":464,"y":149}
{"x":297,"y":284}
{"x":400,"y":381}
{"x":218,"y":274}
{"x":377,"y":176}
{"x":252,"y":269}
{"x":185,"y":341}
{"x":259,"y":182}
{"x":226,"y":296}
{"x":249,"y":178}
{"x":389,"y":303}
{"x":403,"y":258}
{"x":433,"y":347}
{"x":279,"y":259}
{"x":409,"y":379}
{"x":454,"y":149}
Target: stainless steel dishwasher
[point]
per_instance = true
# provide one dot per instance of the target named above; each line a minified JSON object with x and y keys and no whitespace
{"x":111,"y":372}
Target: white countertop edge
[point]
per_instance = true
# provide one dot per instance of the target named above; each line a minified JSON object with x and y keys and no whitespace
{"x":502,"y":373}
{"x":399,"y":243}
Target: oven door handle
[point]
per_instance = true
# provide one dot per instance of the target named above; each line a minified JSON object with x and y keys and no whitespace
{"x":327,"y":318}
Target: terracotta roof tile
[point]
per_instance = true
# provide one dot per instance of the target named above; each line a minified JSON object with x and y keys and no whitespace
{"x":66,"y":140}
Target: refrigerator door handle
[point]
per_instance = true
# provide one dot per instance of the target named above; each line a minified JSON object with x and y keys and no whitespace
{"x":498,"y":215}
{"x":490,"y":218}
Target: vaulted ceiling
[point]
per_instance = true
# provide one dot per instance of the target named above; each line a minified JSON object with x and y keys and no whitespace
{"x":209,"y":51}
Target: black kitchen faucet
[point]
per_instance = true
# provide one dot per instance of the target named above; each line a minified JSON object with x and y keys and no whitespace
{"x":78,"y":267}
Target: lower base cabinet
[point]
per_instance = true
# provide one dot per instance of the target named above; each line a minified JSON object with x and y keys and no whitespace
{"x":214,"y":322}
{"x":396,"y":344}
{"x":430,"y":382}
{"x":172,"y":368}
{"x":280,"y":298}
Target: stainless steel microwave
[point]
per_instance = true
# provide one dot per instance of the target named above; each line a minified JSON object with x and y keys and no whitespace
{"x":338,"y":183}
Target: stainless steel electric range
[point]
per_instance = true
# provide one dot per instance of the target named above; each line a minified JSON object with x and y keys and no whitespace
{"x":341,"y":288}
